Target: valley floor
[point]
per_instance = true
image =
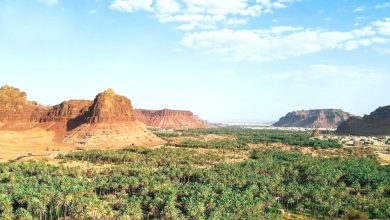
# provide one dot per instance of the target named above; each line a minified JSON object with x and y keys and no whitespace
{"x":221,"y":173}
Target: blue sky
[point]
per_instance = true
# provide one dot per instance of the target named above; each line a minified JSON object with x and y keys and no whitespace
{"x":226,"y":60}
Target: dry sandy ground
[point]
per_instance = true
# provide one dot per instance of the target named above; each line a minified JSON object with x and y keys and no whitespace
{"x":37,"y":141}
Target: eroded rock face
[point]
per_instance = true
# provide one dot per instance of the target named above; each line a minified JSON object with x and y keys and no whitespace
{"x":109,"y":108}
{"x":319,"y":118}
{"x":109,"y":121}
{"x":169,"y":119}
{"x":67,"y":110}
{"x":15,"y":107}
{"x":377,"y":123}
{"x":106,"y":121}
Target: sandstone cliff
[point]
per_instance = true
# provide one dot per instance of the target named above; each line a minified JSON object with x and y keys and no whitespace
{"x":64,"y":117}
{"x":319,"y":118}
{"x":66,"y":110}
{"x":377,"y":123}
{"x":109,"y":121}
{"x":169,"y":119}
{"x":109,"y":108}
{"x":16,"y":111}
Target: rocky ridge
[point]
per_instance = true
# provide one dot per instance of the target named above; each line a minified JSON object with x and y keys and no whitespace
{"x":169,"y":119}
{"x":108,"y":121}
{"x":318,"y":118}
{"x":16,"y":111}
{"x":376,"y":123}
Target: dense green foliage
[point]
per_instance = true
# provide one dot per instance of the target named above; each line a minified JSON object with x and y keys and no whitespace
{"x":142,"y":157}
{"x":178,"y":184}
{"x":255,"y":136}
{"x":216,"y":144}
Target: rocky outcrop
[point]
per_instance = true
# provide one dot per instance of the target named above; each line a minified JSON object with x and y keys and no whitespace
{"x":169,"y":119}
{"x":377,"y":123}
{"x":16,"y":111}
{"x":64,"y":117}
{"x":319,"y":118}
{"x":66,"y":110}
{"x":109,"y":122}
{"x":109,"y":108}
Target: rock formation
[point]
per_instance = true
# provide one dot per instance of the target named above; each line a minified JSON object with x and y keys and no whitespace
{"x":319,"y":118}
{"x":377,"y":123}
{"x":16,"y":111}
{"x":109,"y":121}
{"x":64,"y":117}
{"x":169,"y":119}
{"x":66,"y":110}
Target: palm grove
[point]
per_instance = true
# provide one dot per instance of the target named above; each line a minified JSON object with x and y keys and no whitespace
{"x":182,"y":182}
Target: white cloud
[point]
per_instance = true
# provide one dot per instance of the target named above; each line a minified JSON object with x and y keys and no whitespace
{"x":49,"y":2}
{"x":212,"y":27}
{"x":92,"y":12}
{"x":202,"y":14}
{"x":132,"y":5}
{"x":383,"y":26}
{"x":167,"y":6}
{"x":384,"y":5}
{"x":386,"y":51}
{"x":360,"y":9}
{"x":357,"y":75}
{"x":283,"y":42}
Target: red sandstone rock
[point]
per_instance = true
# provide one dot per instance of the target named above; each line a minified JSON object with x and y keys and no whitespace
{"x":109,"y":122}
{"x":319,"y":118}
{"x":67,"y":110}
{"x":377,"y":123}
{"x":106,"y":121}
{"x":16,"y":111}
{"x":109,"y":108}
{"x":169,"y":119}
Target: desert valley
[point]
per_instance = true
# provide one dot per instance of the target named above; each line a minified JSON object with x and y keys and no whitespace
{"x":194,"y":110}
{"x":96,"y":140}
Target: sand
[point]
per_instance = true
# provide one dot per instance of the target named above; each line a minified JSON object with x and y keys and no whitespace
{"x":37,"y":141}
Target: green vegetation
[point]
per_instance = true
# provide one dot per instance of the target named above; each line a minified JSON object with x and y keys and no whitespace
{"x":180,"y":183}
{"x":215,"y":144}
{"x":245,"y":136}
{"x":145,"y":157}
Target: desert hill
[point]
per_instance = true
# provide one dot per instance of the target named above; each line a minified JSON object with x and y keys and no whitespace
{"x":108,"y":121}
{"x":16,"y":112}
{"x":169,"y":119}
{"x":376,"y":123}
{"x":317,"y":118}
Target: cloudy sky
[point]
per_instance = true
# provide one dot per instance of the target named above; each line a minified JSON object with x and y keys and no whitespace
{"x":226,"y":60}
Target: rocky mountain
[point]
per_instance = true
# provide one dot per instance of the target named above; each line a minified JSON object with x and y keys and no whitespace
{"x":318,"y":118}
{"x":15,"y":109}
{"x":110,"y":108}
{"x":376,"y":123}
{"x":169,"y":119}
{"x":66,"y":110}
{"x":110,"y":121}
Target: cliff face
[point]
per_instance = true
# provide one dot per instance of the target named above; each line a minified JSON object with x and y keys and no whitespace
{"x":377,"y":123}
{"x":109,"y":121}
{"x":109,"y":108}
{"x":169,"y":119}
{"x":318,"y":118}
{"x":66,"y":110}
{"x":16,"y":110}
